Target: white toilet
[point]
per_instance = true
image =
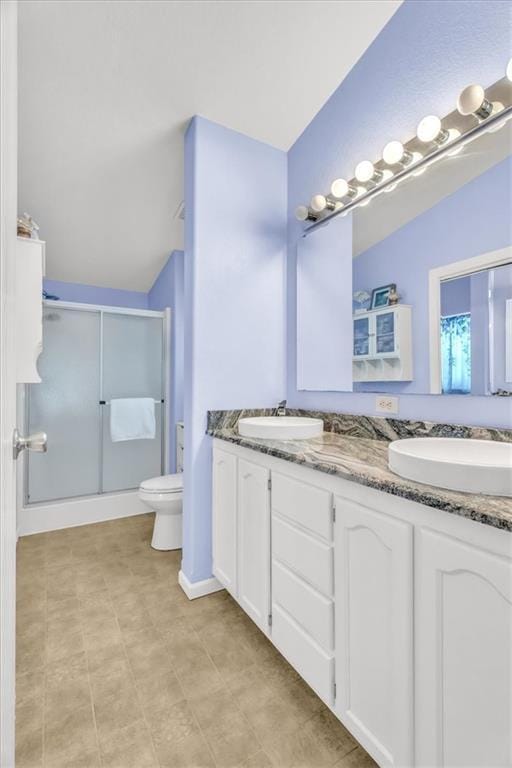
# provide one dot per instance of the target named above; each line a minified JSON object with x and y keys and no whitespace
{"x":164,"y":495}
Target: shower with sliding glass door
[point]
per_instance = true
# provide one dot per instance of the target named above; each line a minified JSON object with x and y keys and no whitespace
{"x":92,"y":356}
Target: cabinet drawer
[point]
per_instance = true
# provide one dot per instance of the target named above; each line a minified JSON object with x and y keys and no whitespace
{"x":310,"y":609}
{"x":305,"y":555}
{"x":311,"y":662}
{"x":304,"y":504}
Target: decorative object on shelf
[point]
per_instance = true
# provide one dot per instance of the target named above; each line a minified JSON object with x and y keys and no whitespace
{"x":361,"y":297}
{"x":50,"y":296}
{"x":401,"y":160}
{"x":393,"y":297}
{"x":27,"y":227}
{"x":380,"y":296}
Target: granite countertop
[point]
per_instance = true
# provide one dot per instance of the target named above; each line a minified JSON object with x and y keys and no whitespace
{"x":365,"y":460}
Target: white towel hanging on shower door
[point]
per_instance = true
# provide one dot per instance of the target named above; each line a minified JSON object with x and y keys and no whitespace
{"x":132,"y":418}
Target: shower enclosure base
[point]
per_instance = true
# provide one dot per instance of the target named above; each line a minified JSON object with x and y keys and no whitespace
{"x":68,"y":513}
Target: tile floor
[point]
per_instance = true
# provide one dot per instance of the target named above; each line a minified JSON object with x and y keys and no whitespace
{"x":117,"y":668}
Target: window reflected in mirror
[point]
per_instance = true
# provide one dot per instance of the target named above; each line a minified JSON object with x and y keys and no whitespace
{"x":475,"y":333}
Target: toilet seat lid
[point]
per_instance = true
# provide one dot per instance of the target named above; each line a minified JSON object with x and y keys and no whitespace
{"x":163,"y":484}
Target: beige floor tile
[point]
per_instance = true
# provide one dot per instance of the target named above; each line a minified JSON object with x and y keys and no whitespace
{"x":159,"y":692}
{"x":357,"y":758}
{"x":67,"y":644}
{"x":231,"y":742}
{"x":319,"y":743}
{"x":200,"y":677}
{"x":29,"y":749}
{"x":29,"y":716}
{"x":108,"y":660}
{"x":30,"y":685}
{"x":70,"y":739}
{"x":179,"y":742}
{"x":129,"y":747}
{"x":116,"y":704}
{"x":67,"y":695}
{"x":259,"y":760}
{"x":102,"y":636}
{"x":63,"y":670}
{"x":225,"y":728}
{"x":148,"y":657}
{"x":57,"y":609}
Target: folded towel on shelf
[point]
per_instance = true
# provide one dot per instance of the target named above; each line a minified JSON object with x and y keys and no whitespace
{"x":132,"y":418}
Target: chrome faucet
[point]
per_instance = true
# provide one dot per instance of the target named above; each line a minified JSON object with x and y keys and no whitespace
{"x":281,"y":408}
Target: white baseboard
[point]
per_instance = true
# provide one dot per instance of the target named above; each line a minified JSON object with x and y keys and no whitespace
{"x":194,"y":589}
{"x":69,"y":513}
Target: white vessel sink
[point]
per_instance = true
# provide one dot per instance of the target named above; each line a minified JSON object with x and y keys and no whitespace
{"x":473,"y":466}
{"x":281,"y":427}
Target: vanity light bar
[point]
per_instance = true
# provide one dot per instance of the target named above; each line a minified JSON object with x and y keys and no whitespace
{"x":400,"y":162}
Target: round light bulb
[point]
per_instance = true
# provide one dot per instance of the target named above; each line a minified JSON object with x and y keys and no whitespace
{"x":472,"y":101}
{"x":509,"y":70}
{"x":364,"y":171}
{"x":302,"y":213}
{"x":318,"y":203}
{"x":394,"y":152}
{"x":341,"y":188}
{"x":429,"y":128}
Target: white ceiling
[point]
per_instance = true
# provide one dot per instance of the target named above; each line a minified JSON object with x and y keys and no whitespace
{"x":107,"y":88}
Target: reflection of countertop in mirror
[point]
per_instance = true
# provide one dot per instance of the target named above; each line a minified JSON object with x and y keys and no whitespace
{"x":365,"y":461}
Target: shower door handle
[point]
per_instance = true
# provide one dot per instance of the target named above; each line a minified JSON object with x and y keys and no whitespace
{"x":37,"y":442}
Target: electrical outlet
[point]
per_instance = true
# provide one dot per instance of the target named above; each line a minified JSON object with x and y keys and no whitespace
{"x":386,"y":404}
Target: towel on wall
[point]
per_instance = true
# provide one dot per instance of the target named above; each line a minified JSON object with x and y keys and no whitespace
{"x":132,"y":418}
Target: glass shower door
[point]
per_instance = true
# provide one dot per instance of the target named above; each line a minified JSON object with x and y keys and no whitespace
{"x":131,"y":367}
{"x":65,"y":405}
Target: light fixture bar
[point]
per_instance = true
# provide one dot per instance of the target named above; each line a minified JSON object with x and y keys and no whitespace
{"x":439,"y":152}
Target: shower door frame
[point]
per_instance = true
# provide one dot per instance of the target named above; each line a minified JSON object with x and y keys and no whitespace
{"x":103,"y":309}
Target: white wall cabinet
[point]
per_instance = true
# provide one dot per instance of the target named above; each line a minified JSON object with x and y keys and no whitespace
{"x":30,"y":266}
{"x":390,"y":593}
{"x":374,"y":630}
{"x":463,"y":654}
{"x":383,"y":344}
{"x":254,"y":541}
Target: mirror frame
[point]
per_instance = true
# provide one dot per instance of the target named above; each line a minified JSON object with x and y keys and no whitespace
{"x":449,"y":271}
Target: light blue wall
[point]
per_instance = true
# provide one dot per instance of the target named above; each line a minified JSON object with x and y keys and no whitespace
{"x":168,"y":291}
{"x":416,"y":66}
{"x":93,"y":294}
{"x":235,"y":244}
{"x":438,"y":236}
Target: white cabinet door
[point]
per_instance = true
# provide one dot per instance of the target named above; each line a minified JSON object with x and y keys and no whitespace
{"x":374,"y":631}
{"x":254,"y":541}
{"x":463,"y":654}
{"x":225,"y":529}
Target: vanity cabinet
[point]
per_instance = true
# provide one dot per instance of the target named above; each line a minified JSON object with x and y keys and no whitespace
{"x":303,"y":580}
{"x":463,"y":653}
{"x":241,"y":532}
{"x":374,"y":630}
{"x":225,"y":514}
{"x":382,"y":344}
{"x":254,"y":541}
{"x":398,"y":615}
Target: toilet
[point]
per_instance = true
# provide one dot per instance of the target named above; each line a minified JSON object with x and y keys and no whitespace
{"x":164,"y":495}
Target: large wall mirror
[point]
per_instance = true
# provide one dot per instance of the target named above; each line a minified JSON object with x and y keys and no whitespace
{"x":452,"y":224}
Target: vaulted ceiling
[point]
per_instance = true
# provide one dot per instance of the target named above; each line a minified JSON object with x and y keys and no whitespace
{"x":106,"y":90}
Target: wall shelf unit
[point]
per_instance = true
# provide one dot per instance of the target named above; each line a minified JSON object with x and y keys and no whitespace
{"x":382,"y":345}
{"x":30,"y":268}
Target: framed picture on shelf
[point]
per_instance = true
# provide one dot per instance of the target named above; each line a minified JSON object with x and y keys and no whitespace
{"x":380,"y":296}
